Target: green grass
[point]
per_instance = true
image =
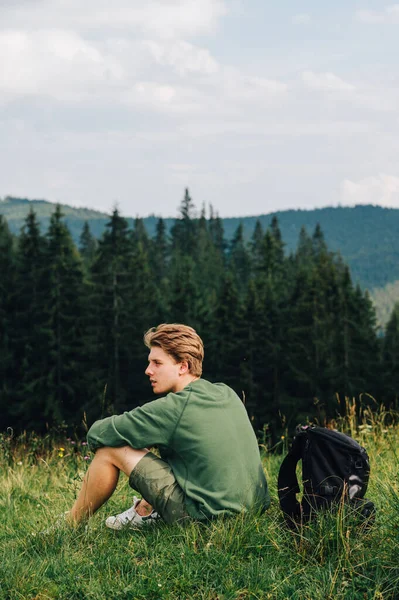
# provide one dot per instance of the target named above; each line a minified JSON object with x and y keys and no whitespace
{"x":237,"y":558}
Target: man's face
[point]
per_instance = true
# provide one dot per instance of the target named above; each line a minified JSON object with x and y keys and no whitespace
{"x":163,"y":371}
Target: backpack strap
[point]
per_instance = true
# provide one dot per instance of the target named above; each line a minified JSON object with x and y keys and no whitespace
{"x":287,"y":480}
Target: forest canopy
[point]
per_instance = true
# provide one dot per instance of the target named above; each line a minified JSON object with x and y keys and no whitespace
{"x":289,"y":331}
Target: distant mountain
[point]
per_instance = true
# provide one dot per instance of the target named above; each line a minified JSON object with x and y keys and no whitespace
{"x":367,"y":237}
{"x":16,"y":209}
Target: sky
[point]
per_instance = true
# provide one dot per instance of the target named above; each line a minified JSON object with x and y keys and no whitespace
{"x":255,"y":105}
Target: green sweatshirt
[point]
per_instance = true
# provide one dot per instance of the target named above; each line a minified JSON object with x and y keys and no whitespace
{"x":204,"y":433}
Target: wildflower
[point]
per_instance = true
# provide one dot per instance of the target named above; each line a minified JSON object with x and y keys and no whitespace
{"x":84,"y":443}
{"x":61,"y":449}
{"x":60,"y":454}
{"x":282,"y":437}
{"x":72,"y":442}
{"x":86,"y":457}
{"x":19,"y":462}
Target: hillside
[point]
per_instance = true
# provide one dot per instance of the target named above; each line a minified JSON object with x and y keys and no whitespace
{"x":15,"y":211}
{"x":244,"y":557}
{"x":366,"y":236}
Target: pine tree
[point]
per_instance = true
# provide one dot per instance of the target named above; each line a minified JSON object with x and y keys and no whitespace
{"x":390,"y":359}
{"x":87,"y":245}
{"x":270,"y":356}
{"x":256,"y":245}
{"x":32,"y":334}
{"x":272,"y":262}
{"x":7,"y":321}
{"x":139,"y":235}
{"x":272,"y":293}
{"x":141,"y":307}
{"x":187,"y":207}
{"x":110,"y":299}
{"x":209,"y":266}
{"x":326,"y":329}
{"x":354,"y":335}
{"x":278,"y":240}
{"x":248,"y":333}
{"x":301,"y":384}
{"x":216,"y":232}
{"x":160,"y":251}
{"x":239,"y":261}
{"x":184,"y":296}
{"x":304,"y":252}
{"x":184,"y":230}
{"x":318,"y":242}
{"x":224,"y":346}
{"x":184,"y":299}
{"x":345,"y":325}
{"x":366,"y":364}
{"x":159,"y":256}
{"x":64,"y":324}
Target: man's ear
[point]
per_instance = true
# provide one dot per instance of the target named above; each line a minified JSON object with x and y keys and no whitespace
{"x":183,"y":370}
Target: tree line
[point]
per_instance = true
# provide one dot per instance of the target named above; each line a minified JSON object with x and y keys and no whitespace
{"x":290,"y":333}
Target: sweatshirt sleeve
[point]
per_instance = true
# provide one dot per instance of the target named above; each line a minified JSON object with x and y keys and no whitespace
{"x":149,"y":425}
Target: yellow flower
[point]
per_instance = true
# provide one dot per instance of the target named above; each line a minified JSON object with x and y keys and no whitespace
{"x":61,"y":449}
{"x":60,"y":454}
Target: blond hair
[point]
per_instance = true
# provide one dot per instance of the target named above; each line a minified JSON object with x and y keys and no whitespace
{"x":179,"y":341}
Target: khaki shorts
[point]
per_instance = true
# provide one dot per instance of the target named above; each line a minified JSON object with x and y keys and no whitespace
{"x":155,"y":481}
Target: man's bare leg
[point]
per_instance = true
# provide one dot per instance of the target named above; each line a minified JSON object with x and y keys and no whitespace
{"x":101,"y":479}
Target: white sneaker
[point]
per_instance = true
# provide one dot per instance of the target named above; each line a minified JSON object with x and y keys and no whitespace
{"x":131,"y":518}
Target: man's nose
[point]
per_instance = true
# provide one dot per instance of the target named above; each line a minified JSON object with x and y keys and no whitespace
{"x":148,"y":370}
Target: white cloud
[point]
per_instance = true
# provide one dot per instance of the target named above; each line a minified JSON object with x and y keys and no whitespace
{"x":158,"y":72}
{"x":70,"y":50}
{"x":63,"y":65}
{"x":302,"y":19}
{"x":379,"y":189}
{"x":163,"y":18}
{"x":56,"y":63}
{"x":289,"y":129}
{"x":389,"y":15}
{"x":154,"y":97}
{"x":326,"y":82}
{"x":99,"y":98}
{"x":154,"y":93}
{"x":183,"y":57}
{"x":161,"y":75}
{"x":267,"y":86}
{"x":234,"y":90}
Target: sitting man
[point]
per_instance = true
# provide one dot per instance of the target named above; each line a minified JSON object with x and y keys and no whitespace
{"x":210,"y":463}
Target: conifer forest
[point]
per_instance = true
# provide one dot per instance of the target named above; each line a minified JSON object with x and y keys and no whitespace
{"x":290,"y":333}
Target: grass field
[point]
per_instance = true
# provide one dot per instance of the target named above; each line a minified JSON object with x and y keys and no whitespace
{"x":238,"y":558}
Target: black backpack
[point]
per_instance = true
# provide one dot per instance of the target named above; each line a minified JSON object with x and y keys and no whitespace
{"x":334,"y":468}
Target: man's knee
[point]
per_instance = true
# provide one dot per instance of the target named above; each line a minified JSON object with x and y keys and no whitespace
{"x":125,"y":458}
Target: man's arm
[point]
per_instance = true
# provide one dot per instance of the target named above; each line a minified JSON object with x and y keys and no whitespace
{"x":148,"y":425}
